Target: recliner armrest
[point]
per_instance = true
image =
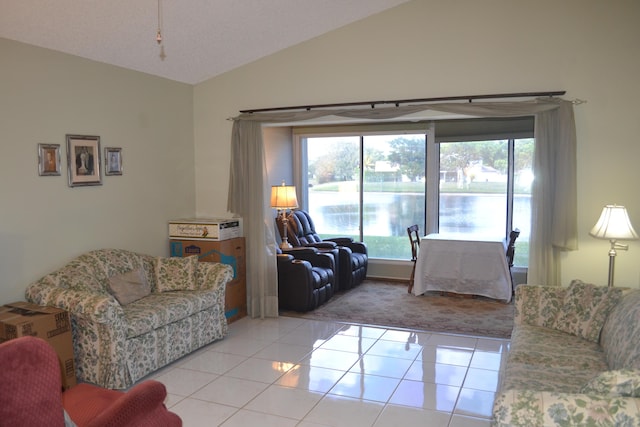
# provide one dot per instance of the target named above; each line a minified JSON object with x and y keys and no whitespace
{"x":323,"y":245}
{"x":316,"y":257}
{"x":348,"y":242}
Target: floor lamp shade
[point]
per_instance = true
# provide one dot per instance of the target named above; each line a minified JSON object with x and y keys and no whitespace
{"x":614,"y":224}
{"x":283,"y":198}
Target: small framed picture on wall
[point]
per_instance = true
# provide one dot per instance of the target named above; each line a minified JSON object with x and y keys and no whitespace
{"x":112,"y":161}
{"x":48,"y":159}
{"x":83,"y":160}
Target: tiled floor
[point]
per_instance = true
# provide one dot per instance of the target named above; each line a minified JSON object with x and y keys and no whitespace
{"x":296,"y":372}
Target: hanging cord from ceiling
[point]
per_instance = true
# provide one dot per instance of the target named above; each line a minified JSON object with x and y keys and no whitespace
{"x":159,"y":32}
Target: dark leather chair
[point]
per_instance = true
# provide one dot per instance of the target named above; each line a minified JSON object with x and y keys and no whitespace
{"x":306,"y":278}
{"x":353,"y":258}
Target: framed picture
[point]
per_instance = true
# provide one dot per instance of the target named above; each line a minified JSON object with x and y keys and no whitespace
{"x":83,"y":160}
{"x":112,"y":161}
{"x":48,"y":159}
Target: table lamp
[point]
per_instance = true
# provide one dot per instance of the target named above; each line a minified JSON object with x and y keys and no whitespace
{"x":283,"y":198}
{"x":614,"y":225}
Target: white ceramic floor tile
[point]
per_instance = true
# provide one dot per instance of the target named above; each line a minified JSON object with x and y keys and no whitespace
{"x":240,"y":346}
{"x":318,"y":329}
{"x":311,"y":378}
{"x":436,"y":373}
{"x":244,"y":418}
{"x":464,"y":421}
{"x":302,"y":336}
{"x":405,"y":416}
{"x":405,"y":336}
{"x":235,"y":392}
{"x":362,"y":331}
{"x":454,"y":341}
{"x":197,"y":413}
{"x":285,"y":402}
{"x":380,"y":365}
{"x":348,"y":343}
{"x":332,"y":359}
{"x":437,"y":397}
{"x":183,"y":382}
{"x":262,"y":370}
{"x":395,"y":349}
{"x":367,"y":387}
{"x":213,"y":362}
{"x":476,"y":403}
{"x":482,"y":379}
{"x":284,"y":352}
{"x":487,"y":360}
{"x":492,"y":345}
{"x":306,"y":373}
{"x":448,"y":355}
{"x":337,"y":411}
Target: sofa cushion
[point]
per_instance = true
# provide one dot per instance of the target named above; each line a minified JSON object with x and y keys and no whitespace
{"x":129,"y":287}
{"x":544,"y":359}
{"x":160,"y":309}
{"x":176,"y":273}
{"x":623,"y":382}
{"x":621,"y":333}
{"x":585,"y":309}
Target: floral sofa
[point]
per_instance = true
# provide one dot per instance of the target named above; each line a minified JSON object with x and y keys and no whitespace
{"x":574,"y":358}
{"x":132,"y":314}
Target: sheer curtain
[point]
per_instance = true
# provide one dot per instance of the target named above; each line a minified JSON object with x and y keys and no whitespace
{"x":553,"y":201}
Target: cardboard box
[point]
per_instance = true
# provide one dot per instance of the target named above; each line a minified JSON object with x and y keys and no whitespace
{"x":205,"y":228}
{"x":230,"y":252}
{"x":52,"y":324}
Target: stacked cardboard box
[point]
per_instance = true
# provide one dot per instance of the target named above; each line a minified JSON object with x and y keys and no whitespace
{"x":52,"y":324}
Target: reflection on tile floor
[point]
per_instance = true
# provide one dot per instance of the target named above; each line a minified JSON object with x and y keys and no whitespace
{"x":297,"y":372}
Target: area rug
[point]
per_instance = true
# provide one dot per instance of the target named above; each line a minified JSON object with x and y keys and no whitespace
{"x":389,"y":304}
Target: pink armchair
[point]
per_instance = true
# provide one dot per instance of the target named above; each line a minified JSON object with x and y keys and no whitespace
{"x":31,"y":394}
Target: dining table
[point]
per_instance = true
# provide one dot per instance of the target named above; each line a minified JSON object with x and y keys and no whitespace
{"x":463,"y":264}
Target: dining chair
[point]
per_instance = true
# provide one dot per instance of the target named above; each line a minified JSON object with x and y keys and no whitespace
{"x":414,"y":238}
{"x":511,"y":252}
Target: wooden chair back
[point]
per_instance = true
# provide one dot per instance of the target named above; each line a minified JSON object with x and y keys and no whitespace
{"x":414,"y":238}
{"x":511,"y":246}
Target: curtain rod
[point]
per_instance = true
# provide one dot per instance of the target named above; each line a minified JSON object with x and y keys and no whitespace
{"x":406,"y":101}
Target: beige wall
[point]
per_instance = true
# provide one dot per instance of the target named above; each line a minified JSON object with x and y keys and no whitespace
{"x":43,"y":222}
{"x":421,"y":49}
{"x":463,"y":47}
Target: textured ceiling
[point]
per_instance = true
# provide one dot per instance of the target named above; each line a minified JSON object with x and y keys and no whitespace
{"x":202,"y":38}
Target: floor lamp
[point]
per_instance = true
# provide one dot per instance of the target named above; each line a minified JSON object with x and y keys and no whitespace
{"x":613,"y":225}
{"x":283,"y":198}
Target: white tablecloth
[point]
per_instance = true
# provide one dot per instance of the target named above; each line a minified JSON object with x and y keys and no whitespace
{"x":463,"y":265}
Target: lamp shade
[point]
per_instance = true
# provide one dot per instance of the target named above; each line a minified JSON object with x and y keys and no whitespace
{"x":614,"y":224}
{"x":284,"y":197}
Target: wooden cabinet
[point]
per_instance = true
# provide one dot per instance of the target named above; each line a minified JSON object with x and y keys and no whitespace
{"x":231,"y":252}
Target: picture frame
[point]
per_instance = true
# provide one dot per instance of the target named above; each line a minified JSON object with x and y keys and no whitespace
{"x":48,"y":159}
{"x":113,"y":161}
{"x":83,"y":160}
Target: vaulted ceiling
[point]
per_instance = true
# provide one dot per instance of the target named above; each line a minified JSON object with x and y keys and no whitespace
{"x":201,"y":38}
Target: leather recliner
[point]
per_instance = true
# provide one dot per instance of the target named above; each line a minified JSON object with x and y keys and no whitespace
{"x":353,"y":257}
{"x":306,"y":278}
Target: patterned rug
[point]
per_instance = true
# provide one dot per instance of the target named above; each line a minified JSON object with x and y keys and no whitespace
{"x":388,"y":304}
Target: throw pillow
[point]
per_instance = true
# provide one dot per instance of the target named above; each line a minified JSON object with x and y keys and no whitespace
{"x":176,"y":274}
{"x":585,"y":309}
{"x":623,"y":382}
{"x":129,"y":287}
